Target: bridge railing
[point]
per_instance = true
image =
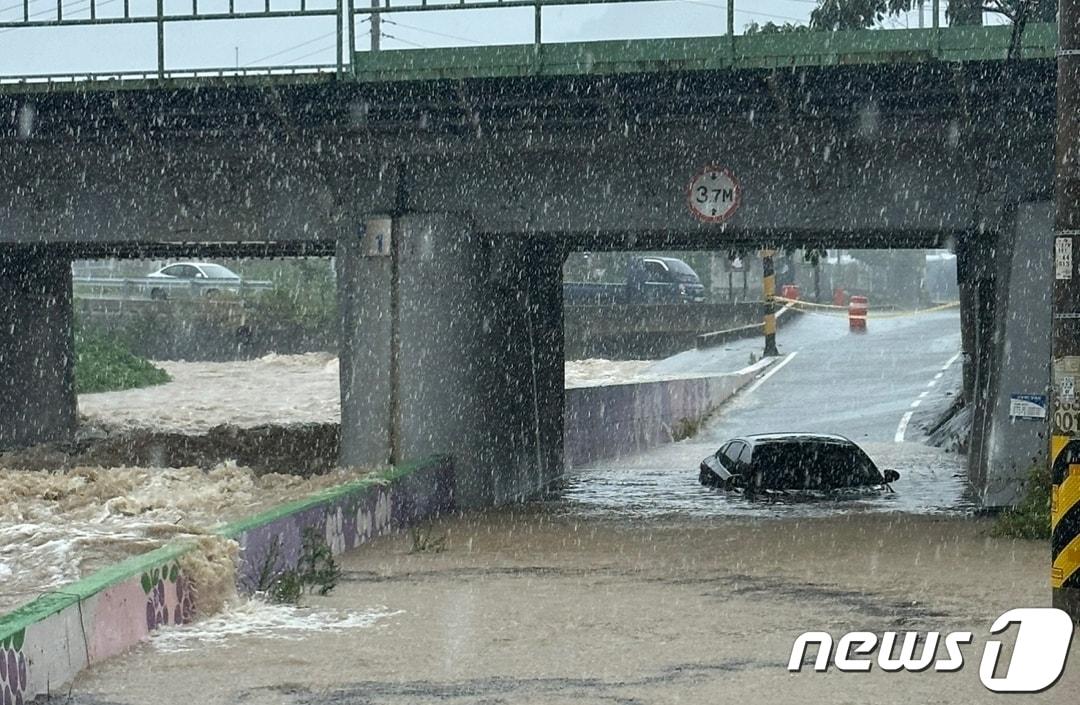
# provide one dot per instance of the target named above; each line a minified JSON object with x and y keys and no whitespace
{"x":345,"y":14}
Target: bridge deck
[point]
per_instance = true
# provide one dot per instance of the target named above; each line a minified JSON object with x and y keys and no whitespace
{"x":762,"y":51}
{"x":816,"y":49}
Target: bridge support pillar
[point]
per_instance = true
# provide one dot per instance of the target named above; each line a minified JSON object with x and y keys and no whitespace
{"x":37,"y":360}
{"x":1012,"y":321}
{"x":453,"y":344}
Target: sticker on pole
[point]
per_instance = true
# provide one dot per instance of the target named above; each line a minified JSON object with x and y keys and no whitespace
{"x":713,"y":195}
{"x":1063,"y":251}
{"x":1066,"y":421}
{"x":1027,"y":406}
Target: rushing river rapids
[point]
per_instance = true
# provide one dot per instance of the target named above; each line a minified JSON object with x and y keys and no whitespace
{"x":66,"y":511}
{"x":56,"y":527}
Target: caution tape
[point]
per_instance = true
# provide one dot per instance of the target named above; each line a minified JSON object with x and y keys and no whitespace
{"x":843,"y":310}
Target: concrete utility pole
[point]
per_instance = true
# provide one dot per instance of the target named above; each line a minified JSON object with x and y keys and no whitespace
{"x":768,"y":285}
{"x":376,"y":28}
{"x":1065,"y":428}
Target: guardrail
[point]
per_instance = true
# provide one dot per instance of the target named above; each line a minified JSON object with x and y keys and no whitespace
{"x":344,"y":14}
{"x":160,"y":288}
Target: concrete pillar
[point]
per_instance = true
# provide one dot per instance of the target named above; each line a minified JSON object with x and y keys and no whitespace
{"x":453,"y":344}
{"x":1019,"y":351}
{"x":365,"y":308}
{"x":37,"y":360}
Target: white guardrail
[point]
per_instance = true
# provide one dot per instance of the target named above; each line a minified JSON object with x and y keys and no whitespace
{"x":162,"y":288}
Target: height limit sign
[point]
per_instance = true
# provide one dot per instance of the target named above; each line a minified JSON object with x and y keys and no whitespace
{"x":714,"y":195}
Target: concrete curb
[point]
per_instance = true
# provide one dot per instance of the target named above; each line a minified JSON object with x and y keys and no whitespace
{"x":45,"y":643}
{"x":613,"y":420}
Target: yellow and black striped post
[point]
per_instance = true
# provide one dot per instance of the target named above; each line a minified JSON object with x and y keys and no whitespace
{"x":769,"y":288}
{"x":1065,"y":426}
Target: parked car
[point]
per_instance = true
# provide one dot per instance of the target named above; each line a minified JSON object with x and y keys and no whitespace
{"x":649,"y":280}
{"x":204,"y":278}
{"x":782,"y":463}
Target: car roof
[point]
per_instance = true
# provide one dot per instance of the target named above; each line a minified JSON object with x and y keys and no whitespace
{"x":762,"y":438}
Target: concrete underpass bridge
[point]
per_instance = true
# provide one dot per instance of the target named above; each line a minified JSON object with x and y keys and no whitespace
{"x":451,"y":184}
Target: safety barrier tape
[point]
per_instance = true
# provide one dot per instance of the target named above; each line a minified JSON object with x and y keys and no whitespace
{"x":843,"y":310}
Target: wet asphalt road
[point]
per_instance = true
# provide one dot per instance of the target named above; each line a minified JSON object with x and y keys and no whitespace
{"x":829,"y":380}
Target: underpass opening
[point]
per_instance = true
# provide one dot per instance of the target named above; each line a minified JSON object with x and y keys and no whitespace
{"x":195,"y":355}
{"x":666,"y":345}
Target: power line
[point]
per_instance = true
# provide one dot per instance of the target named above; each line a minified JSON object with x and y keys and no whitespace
{"x":387,"y":35}
{"x":431,"y":31}
{"x":292,"y":48}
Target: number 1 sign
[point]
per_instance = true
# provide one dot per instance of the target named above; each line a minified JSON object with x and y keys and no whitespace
{"x":713,"y":195}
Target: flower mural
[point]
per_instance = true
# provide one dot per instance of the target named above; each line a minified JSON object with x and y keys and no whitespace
{"x":13,"y":680}
{"x":165,"y":606}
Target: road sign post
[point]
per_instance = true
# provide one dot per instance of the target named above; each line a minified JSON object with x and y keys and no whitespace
{"x":768,"y":283}
{"x":1064,"y":456}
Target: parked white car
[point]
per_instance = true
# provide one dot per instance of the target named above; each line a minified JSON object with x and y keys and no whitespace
{"x":206,"y":278}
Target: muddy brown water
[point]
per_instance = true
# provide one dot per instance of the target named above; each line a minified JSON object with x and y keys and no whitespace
{"x":542,"y":605}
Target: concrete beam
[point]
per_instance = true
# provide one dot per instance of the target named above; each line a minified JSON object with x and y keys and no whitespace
{"x":37,"y":359}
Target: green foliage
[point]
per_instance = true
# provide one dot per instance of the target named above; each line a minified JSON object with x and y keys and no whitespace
{"x":304,"y":295}
{"x":1031,"y":518}
{"x":104,"y":364}
{"x":424,"y":540}
{"x":773,"y":28}
{"x":316,"y":571}
{"x":862,"y":14}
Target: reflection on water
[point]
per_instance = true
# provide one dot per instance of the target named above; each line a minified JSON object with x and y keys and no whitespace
{"x":931,"y":482}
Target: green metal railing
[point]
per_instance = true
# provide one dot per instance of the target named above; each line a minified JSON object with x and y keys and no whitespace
{"x":344,"y":14}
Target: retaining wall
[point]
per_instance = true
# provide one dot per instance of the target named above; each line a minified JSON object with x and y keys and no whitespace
{"x":44,"y":644}
{"x":620,"y":419}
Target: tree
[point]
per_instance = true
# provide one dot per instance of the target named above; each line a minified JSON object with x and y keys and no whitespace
{"x":861,"y":14}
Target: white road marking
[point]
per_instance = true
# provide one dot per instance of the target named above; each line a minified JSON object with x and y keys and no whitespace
{"x":906,"y":418}
{"x":902,"y":428}
{"x":773,"y":370}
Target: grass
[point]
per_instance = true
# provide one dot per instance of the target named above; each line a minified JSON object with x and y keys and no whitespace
{"x":316,"y":571}
{"x":1031,"y":518}
{"x":424,"y":540}
{"x":104,"y":364}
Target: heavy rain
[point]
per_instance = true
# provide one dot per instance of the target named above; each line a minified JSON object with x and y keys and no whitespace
{"x":539,"y":351}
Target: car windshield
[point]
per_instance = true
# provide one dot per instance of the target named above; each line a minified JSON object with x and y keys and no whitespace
{"x":216,"y":271}
{"x":812,"y":465}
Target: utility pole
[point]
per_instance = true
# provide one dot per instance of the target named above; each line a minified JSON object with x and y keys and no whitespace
{"x":376,"y":29}
{"x":768,"y":285}
{"x":1065,"y":428}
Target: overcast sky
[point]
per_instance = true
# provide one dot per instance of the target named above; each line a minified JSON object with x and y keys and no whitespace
{"x":311,"y":40}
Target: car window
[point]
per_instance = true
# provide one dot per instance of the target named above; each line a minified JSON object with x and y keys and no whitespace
{"x":731,"y":453}
{"x":656,"y":272}
{"x":795,"y":465}
{"x":744,"y":455}
{"x":681,"y":271}
{"x":216,"y":271}
{"x":184,"y":271}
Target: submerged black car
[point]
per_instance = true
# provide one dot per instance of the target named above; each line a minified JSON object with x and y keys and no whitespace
{"x":792,"y":462}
